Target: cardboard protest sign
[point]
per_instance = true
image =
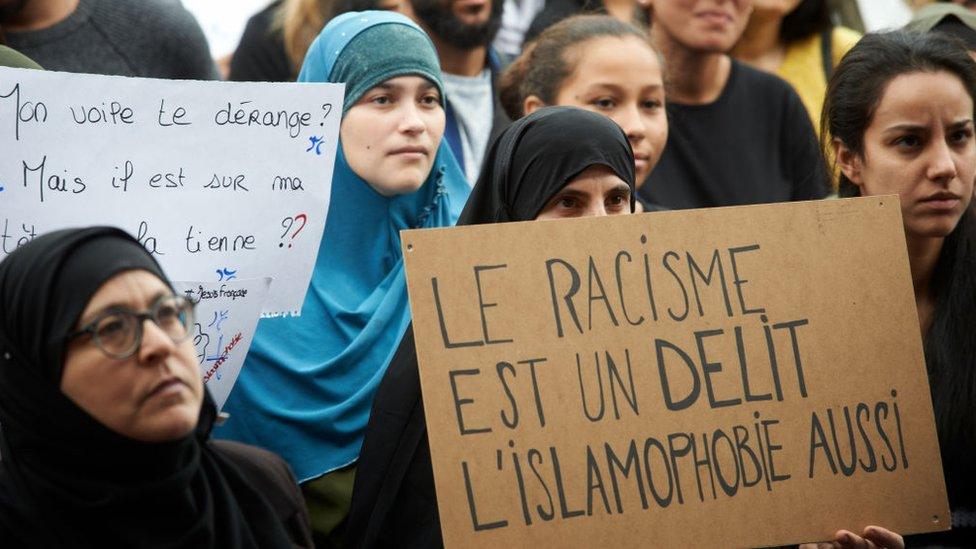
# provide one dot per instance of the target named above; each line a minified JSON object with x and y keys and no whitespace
{"x":734,"y":376}
{"x":227,"y":314}
{"x":211,"y":177}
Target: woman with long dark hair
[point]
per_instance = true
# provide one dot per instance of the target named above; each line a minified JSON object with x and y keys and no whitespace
{"x":795,"y":40}
{"x":899,"y":117}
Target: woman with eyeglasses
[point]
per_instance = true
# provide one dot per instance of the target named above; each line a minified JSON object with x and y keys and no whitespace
{"x":104,"y":419}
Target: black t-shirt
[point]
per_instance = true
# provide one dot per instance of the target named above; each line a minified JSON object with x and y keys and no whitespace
{"x":752,"y":145}
{"x":260,"y":56}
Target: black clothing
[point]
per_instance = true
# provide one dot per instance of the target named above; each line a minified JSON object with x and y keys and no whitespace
{"x":950,"y":358}
{"x":260,"y":55}
{"x":66,"y":480}
{"x":393,"y":500}
{"x":754,"y":144}
{"x":271,"y":476}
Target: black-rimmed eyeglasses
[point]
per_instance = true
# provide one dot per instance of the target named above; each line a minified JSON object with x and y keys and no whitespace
{"x":118,"y":331}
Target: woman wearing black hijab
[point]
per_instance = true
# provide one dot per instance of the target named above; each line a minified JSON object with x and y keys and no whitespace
{"x":556,"y":162}
{"x":104,"y":416}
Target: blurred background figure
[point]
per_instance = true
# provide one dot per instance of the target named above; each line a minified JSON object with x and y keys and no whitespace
{"x":968,"y":4}
{"x":796,"y":40}
{"x":276,"y":39}
{"x":885,"y":14}
{"x":517,"y":15}
{"x":149,"y":38}
{"x":462,"y":31}
{"x":736,"y":135}
{"x":223,"y":22}
{"x":948,"y":18}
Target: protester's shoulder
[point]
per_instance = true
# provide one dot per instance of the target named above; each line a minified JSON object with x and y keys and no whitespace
{"x":150,"y":15}
{"x":159,"y":38}
{"x":256,"y":461}
{"x":762,"y":86}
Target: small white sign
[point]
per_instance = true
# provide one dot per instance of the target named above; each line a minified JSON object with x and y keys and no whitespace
{"x":227,"y":315}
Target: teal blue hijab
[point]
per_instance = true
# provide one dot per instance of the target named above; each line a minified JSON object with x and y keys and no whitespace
{"x":307,"y":385}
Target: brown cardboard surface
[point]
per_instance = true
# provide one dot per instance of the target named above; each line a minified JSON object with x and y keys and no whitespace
{"x":827,"y":282}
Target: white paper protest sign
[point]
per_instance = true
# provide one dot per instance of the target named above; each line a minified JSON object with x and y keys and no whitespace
{"x":213,"y":178}
{"x":227,"y":314}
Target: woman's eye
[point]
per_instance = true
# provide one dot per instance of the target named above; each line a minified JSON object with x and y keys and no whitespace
{"x":908,"y":141}
{"x":567,"y":202}
{"x":111,"y":327}
{"x":653,"y":104}
{"x":381,"y":100}
{"x":430,"y":99}
{"x":604,"y":103}
{"x":961,"y":136}
{"x":167,"y":312}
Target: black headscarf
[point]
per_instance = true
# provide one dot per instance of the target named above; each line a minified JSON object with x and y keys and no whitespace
{"x":537,"y":155}
{"x":66,"y":480}
{"x":393,"y":501}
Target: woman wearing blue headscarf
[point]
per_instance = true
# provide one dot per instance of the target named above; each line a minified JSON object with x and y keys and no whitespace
{"x":308,"y":382}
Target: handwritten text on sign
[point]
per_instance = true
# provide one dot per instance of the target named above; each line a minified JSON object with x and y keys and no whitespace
{"x":745,"y":376}
{"x":227,"y":315}
{"x":207,"y":175}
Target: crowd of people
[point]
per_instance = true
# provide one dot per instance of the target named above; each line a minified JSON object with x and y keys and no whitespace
{"x":467,"y":112}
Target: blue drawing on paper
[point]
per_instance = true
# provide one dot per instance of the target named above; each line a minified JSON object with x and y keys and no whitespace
{"x":316,"y":144}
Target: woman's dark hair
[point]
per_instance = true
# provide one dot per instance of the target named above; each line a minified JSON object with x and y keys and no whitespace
{"x":545,"y":63}
{"x":859,"y":81}
{"x":853,"y":95}
{"x":810,"y":17}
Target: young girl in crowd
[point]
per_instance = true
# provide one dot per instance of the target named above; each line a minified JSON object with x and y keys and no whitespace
{"x":899,"y":113}
{"x":308,"y":382}
{"x":601,"y":64}
{"x":795,"y":40}
{"x":557,"y":162}
{"x":737,"y":135}
{"x":105,"y":417}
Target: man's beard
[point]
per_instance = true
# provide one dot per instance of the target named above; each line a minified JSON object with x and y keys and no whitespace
{"x":437,"y":16}
{"x":9,"y":8}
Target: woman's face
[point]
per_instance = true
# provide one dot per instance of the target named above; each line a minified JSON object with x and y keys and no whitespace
{"x":154,"y":395}
{"x":390,"y":136}
{"x":920,"y":146}
{"x":711,"y":26}
{"x":621,"y":78}
{"x":596,"y":191}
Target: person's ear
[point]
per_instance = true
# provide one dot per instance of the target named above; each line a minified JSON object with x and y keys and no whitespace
{"x":531,"y":104}
{"x":849,"y":162}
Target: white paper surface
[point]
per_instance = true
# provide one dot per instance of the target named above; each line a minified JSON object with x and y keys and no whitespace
{"x":159,"y":159}
{"x":227,"y":314}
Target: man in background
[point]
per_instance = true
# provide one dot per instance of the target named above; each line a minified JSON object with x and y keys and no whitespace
{"x":462,"y":32}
